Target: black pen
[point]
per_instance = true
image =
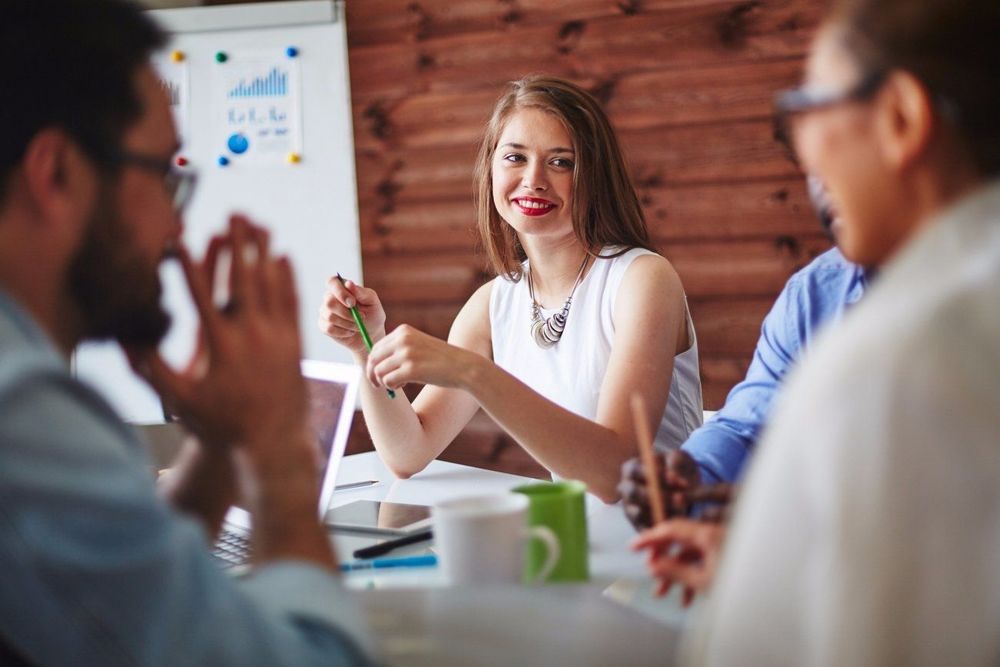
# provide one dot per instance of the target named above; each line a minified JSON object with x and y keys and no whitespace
{"x":389,"y":545}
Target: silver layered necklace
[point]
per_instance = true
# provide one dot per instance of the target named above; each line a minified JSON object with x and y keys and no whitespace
{"x":548,"y":331}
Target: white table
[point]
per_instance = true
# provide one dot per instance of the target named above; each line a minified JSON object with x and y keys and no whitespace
{"x":419,"y":621}
{"x":609,"y":530}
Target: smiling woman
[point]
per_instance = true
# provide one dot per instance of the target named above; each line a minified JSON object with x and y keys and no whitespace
{"x":555,"y":358}
{"x":603,"y":208}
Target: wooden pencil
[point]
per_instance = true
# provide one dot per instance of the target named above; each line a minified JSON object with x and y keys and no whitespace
{"x":646,"y":455}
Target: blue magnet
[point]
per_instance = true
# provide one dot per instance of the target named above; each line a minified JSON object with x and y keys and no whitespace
{"x":223,"y":161}
{"x":291,"y":52}
{"x":238,"y":144}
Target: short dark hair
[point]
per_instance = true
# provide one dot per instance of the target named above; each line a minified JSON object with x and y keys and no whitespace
{"x":951,"y":46}
{"x":70,"y":64}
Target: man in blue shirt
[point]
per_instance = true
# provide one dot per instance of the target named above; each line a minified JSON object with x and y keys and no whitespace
{"x":97,"y":566}
{"x":813,"y":297}
{"x":718,"y":451}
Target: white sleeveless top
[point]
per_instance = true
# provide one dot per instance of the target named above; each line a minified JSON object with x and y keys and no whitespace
{"x":571,"y":372}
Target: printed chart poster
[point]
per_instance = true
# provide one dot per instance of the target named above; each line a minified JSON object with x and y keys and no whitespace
{"x":174,"y":79}
{"x":258,"y":101}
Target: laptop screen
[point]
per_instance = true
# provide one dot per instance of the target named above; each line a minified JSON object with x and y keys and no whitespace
{"x":333,"y":390}
{"x":326,"y":400}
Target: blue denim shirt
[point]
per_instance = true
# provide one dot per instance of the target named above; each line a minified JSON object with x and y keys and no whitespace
{"x":814,"y":296}
{"x":95,"y":569}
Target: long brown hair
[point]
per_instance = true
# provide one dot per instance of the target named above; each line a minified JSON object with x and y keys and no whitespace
{"x":604,"y":208}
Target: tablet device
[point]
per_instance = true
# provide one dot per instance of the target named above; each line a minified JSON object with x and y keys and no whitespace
{"x":379,"y":518}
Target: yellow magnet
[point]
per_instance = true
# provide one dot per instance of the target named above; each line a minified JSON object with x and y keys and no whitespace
{"x":294,"y":158}
{"x":177,"y":56}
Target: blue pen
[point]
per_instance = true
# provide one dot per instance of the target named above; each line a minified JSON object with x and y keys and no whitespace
{"x":428,"y":560}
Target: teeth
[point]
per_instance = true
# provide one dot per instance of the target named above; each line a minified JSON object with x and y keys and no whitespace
{"x":532,"y":204}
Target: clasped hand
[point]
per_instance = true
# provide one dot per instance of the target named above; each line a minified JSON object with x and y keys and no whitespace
{"x":243,"y":385}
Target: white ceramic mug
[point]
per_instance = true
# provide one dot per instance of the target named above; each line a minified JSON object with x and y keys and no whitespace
{"x":482,"y":539}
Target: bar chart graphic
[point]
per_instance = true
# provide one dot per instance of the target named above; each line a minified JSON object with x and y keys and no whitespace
{"x":273,"y":84}
{"x":173,"y":90}
{"x":174,"y":80}
{"x":258,"y":121}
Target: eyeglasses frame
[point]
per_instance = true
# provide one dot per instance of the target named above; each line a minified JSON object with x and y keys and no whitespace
{"x":806,"y":99}
{"x":179,"y":183}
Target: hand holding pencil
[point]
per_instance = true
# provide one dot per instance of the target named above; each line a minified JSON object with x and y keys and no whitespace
{"x":351,"y":315}
{"x":644,"y":439}
{"x":674,"y":472}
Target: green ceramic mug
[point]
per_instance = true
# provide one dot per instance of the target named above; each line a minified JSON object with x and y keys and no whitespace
{"x":561,"y":507}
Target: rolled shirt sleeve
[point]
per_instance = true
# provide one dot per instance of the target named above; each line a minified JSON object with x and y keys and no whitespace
{"x":721,"y":446}
{"x":813,"y":297}
{"x":314,"y":599}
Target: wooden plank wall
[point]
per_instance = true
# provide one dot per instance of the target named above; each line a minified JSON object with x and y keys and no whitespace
{"x":687,"y":83}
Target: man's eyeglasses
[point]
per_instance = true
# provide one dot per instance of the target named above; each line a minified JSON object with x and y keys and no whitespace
{"x":179,"y":183}
{"x":797,"y":101}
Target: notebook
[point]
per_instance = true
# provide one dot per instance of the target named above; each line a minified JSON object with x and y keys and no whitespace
{"x":333,"y":390}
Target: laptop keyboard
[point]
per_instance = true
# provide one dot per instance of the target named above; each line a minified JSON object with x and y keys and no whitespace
{"x":232,"y":548}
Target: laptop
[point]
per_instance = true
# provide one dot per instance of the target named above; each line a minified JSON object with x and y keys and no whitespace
{"x":333,"y":390}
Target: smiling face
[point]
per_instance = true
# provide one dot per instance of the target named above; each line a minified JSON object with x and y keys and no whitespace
{"x":532,"y":169}
{"x":823,"y":207}
{"x":841,"y":147}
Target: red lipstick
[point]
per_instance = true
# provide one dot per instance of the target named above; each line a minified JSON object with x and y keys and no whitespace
{"x":532,"y":206}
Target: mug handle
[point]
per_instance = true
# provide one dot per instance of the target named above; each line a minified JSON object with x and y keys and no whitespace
{"x":551,"y":542}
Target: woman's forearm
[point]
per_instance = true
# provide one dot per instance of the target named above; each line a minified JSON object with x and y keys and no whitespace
{"x":569,"y":445}
{"x":404,"y":442}
{"x":395,"y":430}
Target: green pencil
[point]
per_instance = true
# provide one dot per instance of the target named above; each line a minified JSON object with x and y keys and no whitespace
{"x":364,"y":332}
